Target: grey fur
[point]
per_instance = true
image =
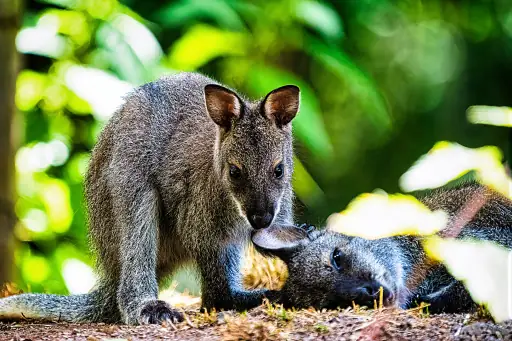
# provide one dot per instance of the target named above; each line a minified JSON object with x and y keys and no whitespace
{"x":159,"y":195}
{"x":398,"y":264}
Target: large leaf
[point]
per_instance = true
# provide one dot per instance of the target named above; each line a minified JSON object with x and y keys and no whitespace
{"x":447,"y":161}
{"x":484,"y":267}
{"x":379,"y":215}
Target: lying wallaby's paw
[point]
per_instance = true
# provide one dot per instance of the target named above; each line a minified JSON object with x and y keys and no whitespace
{"x":156,"y":312}
{"x":308,"y":228}
{"x":273,"y":296}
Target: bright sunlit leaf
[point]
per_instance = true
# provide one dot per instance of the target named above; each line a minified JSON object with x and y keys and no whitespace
{"x":103,"y":91}
{"x":379,"y":215}
{"x":484,"y":267}
{"x":447,"y":161}
{"x":79,"y":277}
{"x":497,"y":116}
{"x":42,"y":40}
{"x":35,"y":220}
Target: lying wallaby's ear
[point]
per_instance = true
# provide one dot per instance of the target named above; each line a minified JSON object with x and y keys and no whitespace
{"x":280,"y":241}
{"x":282,"y":104}
{"x":222,"y":105}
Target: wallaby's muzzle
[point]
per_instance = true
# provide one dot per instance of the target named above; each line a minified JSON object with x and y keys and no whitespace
{"x":369,"y":292}
{"x":261,"y":221}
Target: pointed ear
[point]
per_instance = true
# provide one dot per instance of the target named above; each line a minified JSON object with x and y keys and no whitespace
{"x":222,"y":105}
{"x":282,"y":104}
{"x":280,"y":241}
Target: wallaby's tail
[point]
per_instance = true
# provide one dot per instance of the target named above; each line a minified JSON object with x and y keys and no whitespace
{"x":90,"y":307}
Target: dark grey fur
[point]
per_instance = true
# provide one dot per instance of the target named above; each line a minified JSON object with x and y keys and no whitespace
{"x":398,"y":264}
{"x":160,"y":195}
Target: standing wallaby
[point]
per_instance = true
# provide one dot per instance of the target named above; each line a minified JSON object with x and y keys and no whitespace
{"x":330,"y":270}
{"x":181,"y":173}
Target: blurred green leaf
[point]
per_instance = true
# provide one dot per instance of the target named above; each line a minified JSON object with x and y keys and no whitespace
{"x":305,"y":187}
{"x":121,"y":56}
{"x":321,"y":17}
{"x":361,"y":86}
{"x":187,"y":11}
{"x":202,"y":43}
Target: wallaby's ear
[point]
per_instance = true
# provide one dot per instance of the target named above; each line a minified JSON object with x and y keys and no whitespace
{"x":222,"y":105}
{"x":280,"y":241}
{"x":282,"y":104}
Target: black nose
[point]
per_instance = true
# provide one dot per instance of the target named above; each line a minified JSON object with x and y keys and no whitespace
{"x":260,"y":221}
{"x":369,"y":292}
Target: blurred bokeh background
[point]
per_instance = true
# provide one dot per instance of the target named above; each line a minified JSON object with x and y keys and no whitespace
{"x":382,"y":82}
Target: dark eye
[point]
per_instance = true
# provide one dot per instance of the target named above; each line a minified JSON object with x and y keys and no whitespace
{"x":279,"y":171}
{"x":336,"y":259}
{"x":235,"y":172}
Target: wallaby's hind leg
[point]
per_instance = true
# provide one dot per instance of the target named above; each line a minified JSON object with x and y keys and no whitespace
{"x":222,"y":281}
{"x":138,"y":289}
{"x":443,"y":293}
{"x":452,"y":298}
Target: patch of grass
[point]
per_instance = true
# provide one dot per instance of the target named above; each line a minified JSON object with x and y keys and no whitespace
{"x":206,"y":318}
{"x":482,"y":313}
{"x":321,"y":328}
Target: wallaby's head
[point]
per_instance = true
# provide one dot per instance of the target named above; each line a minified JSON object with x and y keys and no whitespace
{"x":330,"y":270}
{"x":253,"y":150}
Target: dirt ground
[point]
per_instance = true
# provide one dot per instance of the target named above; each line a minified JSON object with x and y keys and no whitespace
{"x":269,"y":322}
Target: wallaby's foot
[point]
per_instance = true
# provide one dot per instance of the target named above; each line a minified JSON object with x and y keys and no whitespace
{"x":156,"y":312}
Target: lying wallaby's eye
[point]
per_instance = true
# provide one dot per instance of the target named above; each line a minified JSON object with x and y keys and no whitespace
{"x":336,"y":259}
{"x":235,"y":172}
{"x":279,"y":171}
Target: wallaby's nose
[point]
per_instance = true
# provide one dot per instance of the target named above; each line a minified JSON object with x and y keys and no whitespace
{"x":260,"y":221}
{"x":369,"y":292}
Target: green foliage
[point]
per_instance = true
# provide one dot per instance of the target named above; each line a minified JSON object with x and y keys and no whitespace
{"x":381,"y":83}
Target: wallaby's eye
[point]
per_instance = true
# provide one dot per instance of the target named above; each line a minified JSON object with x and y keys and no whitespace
{"x":279,"y":171}
{"x":336,"y":259}
{"x":235,"y":172}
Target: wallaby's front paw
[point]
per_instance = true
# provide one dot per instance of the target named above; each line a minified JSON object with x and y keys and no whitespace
{"x":274,"y":296}
{"x":156,"y":312}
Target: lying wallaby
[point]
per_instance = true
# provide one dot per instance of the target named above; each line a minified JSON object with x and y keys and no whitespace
{"x":181,"y":173}
{"x":329,"y":270}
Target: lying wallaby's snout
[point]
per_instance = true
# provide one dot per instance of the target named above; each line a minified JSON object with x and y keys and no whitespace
{"x":368,"y":293}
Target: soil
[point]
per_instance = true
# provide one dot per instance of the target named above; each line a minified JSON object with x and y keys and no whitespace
{"x":270,"y":322}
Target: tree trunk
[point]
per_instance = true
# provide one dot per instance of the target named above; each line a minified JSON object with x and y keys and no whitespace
{"x":9,"y":25}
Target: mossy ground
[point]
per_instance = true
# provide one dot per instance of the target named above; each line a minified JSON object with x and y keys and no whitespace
{"x":272,"y":322}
